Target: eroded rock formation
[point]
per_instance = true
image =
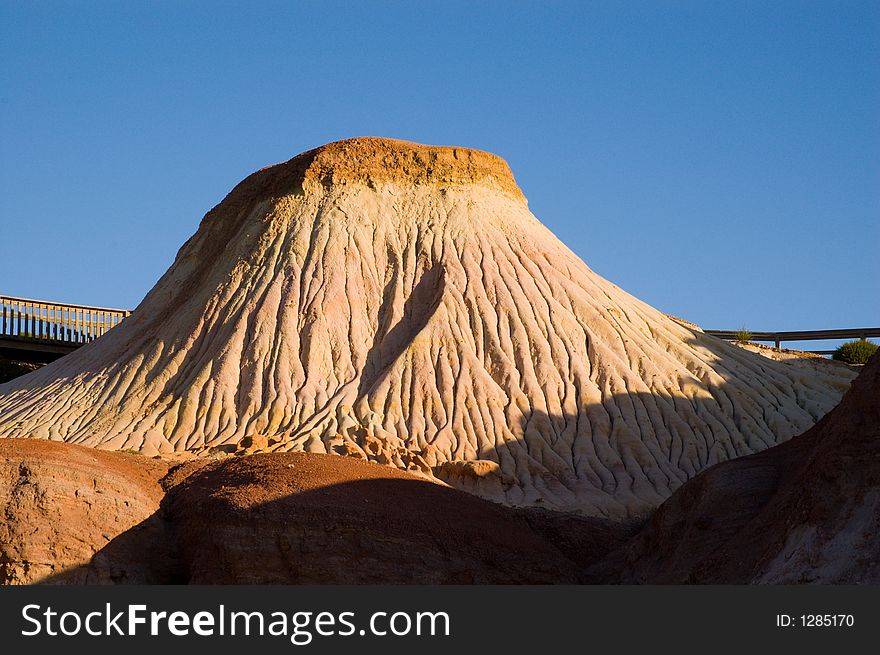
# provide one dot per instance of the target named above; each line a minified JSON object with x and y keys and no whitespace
{"x":807,"y":511}
{"x":74,"y":515}
{"x":319,"y":519}
{"x":63,"y":504}
{"x":399,"y":303}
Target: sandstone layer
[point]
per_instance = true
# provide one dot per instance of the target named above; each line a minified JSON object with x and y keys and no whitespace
{"x":319,"y":519}
{"x":807,"y":511}
{"x":75,"y":515}
{"x":399,"y":303}
{"x":63,"y":504}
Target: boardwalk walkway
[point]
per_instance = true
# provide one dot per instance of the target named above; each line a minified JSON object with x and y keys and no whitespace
{"x":53,"y":328}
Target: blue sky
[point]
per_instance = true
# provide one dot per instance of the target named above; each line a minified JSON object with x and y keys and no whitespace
{"x":721,"y":161}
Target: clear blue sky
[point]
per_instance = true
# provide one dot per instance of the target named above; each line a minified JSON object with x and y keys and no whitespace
{"x":721,"y":161}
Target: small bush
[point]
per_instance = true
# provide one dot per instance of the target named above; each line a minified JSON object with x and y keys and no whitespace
{"x":855,"y":352}
{"x":743,"y":335}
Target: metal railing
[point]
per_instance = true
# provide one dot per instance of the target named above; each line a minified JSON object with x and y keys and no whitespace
{"x":799,"y":335}
{"x":38,"y":320}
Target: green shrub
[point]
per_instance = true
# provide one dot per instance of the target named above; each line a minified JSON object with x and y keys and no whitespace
{"x":855,"y":352}
{"x":743,"y":335}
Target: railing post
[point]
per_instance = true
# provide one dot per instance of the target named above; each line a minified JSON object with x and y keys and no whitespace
{"x":43,"y":321}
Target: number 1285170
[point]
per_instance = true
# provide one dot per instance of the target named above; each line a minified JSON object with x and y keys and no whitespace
{"x":815,"y":620}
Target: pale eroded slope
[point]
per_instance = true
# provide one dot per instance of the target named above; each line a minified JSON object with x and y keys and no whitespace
{"x":401,"y":303}
{"x":806,"y":511}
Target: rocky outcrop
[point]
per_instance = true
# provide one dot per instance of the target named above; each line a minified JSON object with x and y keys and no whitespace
{"x":317,"y":519}
{"x":399,"y":303}
{"x":74,"y":515}
{"x":80,"y":515}
{"x":807,"y":511}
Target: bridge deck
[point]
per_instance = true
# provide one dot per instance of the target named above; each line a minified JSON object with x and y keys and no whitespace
{"x":38,"y":326}
{"x":777,"y":338}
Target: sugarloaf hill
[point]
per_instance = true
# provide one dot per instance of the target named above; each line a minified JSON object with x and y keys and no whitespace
{"x":398,"y":303}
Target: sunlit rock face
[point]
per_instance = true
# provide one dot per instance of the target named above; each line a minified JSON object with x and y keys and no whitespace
{"x":399,"y":303}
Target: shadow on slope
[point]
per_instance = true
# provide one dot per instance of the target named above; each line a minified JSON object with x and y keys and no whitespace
{"x":622,"y":457}
{"x":618,"y":457}
{"x":296,"y":518}
{"x":807,"y":511}
{"x":391,"y":341}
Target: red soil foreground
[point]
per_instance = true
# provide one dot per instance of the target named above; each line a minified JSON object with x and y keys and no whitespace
{"x":78,"y":515}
